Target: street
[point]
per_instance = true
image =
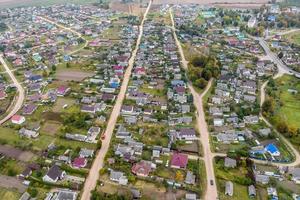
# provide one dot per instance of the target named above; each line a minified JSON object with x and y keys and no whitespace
{"x":211,"y":192}
{"x":21,"y":93}
{"x":93,"y":176}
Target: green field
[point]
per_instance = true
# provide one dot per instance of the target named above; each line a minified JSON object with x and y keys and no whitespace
{"x":294,"y":37}
{"x":9,"y":194}
{"x":290,"y":103}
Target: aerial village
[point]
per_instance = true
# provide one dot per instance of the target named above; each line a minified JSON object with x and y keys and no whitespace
{"x":112,"y":105}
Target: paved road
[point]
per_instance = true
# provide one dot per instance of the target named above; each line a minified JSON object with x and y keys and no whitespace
{"x":211,"y":190}
{"x":93,"y":176}
{"x":282,"y":68}
{"x":21,"y":93}
{"x":68,"y":29}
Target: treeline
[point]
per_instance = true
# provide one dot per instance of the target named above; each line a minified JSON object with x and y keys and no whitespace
{"x":269,"y":108}
{"x":202,"y":69}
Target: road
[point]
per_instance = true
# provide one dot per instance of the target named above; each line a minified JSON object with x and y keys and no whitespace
{"x":21,"y":93}
{"x":284,"y":33}
{"x":68,"y":29}
{"x":211,"y":190}
{"x":282,"y":68}
{"x":98,"y":163}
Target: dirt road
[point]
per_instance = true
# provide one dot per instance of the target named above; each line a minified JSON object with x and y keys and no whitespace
{"x":211,"y":190}
{"x":68,"y":29}
{"x":21,"y":93}
{"x":93,"y":176}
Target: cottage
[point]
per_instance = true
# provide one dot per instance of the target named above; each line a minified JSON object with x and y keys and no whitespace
{"x":54,"y":174}
{"x":79,"y":162}
{"x":66,"y":195}
{"x":230,"y":163}
{"x":179,"y":161}
{"x":251,"y":191}
{"x":86,"y":153}
{"x":229,"y":188}
{"x":272,"y":149}
{"x":142,"y":168}
{"x":28,"y":133}
{"x":190,"y":178}
{"x":62,"y":90}
{"x":187,"y":134}
{"x":295,"y":173}
{"x":118,"y":177}
{"x":18,"y":119}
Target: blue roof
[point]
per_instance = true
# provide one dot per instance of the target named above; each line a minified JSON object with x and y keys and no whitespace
{"x":271,"y":18}
{"x":271,"y":148}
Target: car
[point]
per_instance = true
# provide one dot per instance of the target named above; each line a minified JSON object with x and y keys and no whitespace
{"x":211,"y":182}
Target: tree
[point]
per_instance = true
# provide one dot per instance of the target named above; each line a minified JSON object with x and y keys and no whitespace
{"x":53,"y":68}
{"x":282,"y":127}
{"x":178,"y":176}
{"x":201,"y":83}
{"x":268,"y":106}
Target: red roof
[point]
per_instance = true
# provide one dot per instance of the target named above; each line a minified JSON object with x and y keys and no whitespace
{"x":179,"y":160}
{"x":16,"y":118}
{"x":79,"y":162}
{"x":142,"y":168}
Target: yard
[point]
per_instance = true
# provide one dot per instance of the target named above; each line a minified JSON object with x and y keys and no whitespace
{"x":9,"y":194}
{"x":59,"y":104}
{"x":51,"y":128}
{"x":289,"y":109}
{"x":72,"y":75}
{"x":294,"y":37}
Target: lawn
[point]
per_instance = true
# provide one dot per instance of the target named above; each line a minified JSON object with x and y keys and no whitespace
{"x":294,"y":37}
{"x":9,"y":194}
{"x":239,"y":192}
{"x":290,"y":107}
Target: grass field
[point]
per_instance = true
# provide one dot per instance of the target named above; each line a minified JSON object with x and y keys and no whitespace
{"x":290,"y":109}
{"x":9,"y":194}
{"x":294,"y":37}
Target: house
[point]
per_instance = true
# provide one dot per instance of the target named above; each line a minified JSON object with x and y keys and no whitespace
{"x":179,"y":161}
{"x":18,"y":119}
{"x":190,"y":196}
{"x":118,"y":177}
{"x":79,"y":162}
{"x":272,"y":192}
{"x":261,"y":178}
{"x":26,"y":173}
{"x":190,"y":178}
{"x":187,"y":134}
{"x":127,"y":109}
{"x":86,"y":153}
{"x":142,"y":168}
{"x":28,"y":109}
{"x":54,"y":174}
{"x":62,"y":90}
{"x":64,"y":194}
{"x":218,"y":122}
{"x":3,"y":95}
{"x":25,"y":196}
{"x":230,"y":163}
{"x":122,"y":132}
{"x":251,"y":191}
{"x":265,"y":132}
{"x":88,"y":109}
{"x":272,"y":149}
{"x":295,"y":173}
{"x":229,"y":188}
{"x":28,"y":133}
